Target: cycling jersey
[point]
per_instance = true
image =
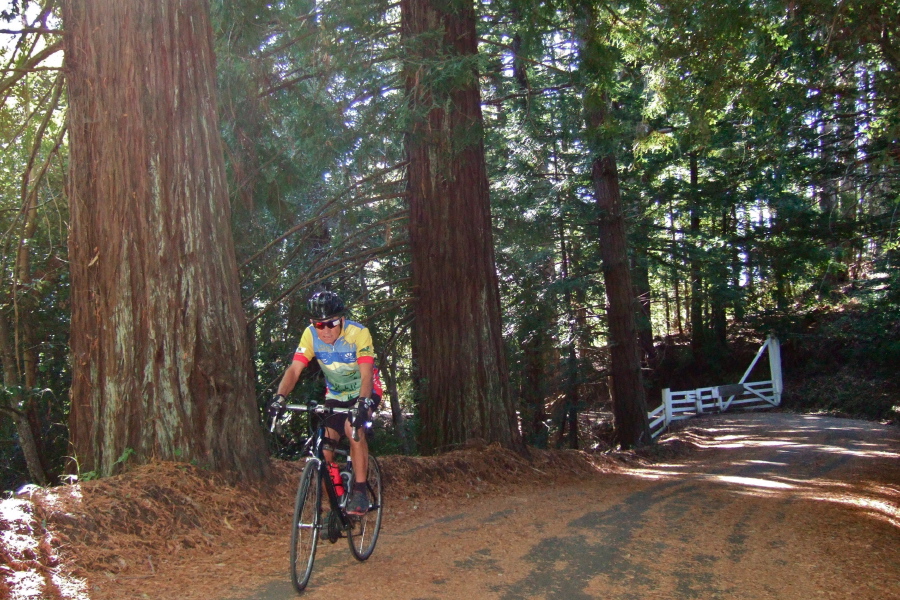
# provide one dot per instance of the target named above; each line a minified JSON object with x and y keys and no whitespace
{"x":340,"y":361}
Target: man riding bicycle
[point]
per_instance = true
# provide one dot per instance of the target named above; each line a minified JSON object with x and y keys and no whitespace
{"x":345,"y":352}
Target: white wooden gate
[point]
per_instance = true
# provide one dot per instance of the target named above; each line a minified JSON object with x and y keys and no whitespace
{"x":747,"y":395}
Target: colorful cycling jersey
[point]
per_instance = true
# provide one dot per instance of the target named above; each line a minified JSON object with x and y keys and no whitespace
{"x":340,"y":361}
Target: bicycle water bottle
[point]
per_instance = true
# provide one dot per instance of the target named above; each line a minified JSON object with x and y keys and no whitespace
{"x":336,"y":479}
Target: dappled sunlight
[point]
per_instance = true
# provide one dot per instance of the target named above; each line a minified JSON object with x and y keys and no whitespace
{"x":751,"y":443}
{"x":874,"y":500}
{"x":817,"y":461}
{"x":753,"y":482}
{"x":32,"y":570}
{"x":882,"y":510}
{"x":16,"y":532}
{"x":654,"y":473}
{"x":859,"y":453}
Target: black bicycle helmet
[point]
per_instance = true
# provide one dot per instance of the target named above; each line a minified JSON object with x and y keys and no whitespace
{"x":324,"y":305}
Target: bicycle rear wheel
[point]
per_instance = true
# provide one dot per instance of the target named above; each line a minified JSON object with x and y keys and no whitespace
{"x":364,"y":530}
{"x":307,"y":523}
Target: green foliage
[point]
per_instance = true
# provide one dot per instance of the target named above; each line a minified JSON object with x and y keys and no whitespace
{"x":123,"y":458}
{"x":791,"y":110}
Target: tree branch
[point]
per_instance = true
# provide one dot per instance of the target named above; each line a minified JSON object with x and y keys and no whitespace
{"x":326,"y":209}
{"x":7,"y":83}
{"x":27,"y":30}
{"x":528,"y":60}
{"x":350,"y":262}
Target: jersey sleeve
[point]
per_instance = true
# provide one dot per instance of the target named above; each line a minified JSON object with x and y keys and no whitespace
{"x":365,"y":349}
{"x":304,"y":351}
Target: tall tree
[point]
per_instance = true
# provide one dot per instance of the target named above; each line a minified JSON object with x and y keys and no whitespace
{"x":628,"y":395}
{"x":462,"y":370}
{"x":161,"y":365}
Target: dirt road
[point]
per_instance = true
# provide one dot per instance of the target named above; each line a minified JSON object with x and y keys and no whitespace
{"x":772,"y":505}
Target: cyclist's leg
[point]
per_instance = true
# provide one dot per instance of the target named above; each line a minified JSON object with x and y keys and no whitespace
{"x":359,"y":453}
{"x":333,"y":437}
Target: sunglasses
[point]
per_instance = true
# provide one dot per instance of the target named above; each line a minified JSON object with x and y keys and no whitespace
{"x":329,"y":324}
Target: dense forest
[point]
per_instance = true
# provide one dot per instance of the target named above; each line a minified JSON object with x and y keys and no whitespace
{"x":539,"y":209}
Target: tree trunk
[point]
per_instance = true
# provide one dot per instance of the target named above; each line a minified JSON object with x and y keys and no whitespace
{"x":720,"y":294}
{"x":389,"y":370}
{"x":627,"y":387}
{"x":629,"y":401}
{"x":641,"y":270}
{"x":160,"y":359}
{"x":16,"y":405}
{"x":697,"y":330}
{"x":676,"y":280}
{"x":463,"y":381}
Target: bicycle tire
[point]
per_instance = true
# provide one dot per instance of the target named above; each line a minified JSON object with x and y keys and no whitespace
{"x":364,"y":530}
{"x":306,"y":525}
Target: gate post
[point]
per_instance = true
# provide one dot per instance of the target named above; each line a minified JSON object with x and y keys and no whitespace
{"x":775,"y":368}
{"x":667,"y":404}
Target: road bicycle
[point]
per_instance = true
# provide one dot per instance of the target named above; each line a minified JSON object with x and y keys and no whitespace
{"x":312,"y":517}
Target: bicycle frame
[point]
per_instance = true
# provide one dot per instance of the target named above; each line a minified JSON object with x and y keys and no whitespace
{"x":318,"y":455}
{"x":361,"y":530}
{"x":315,"y":447}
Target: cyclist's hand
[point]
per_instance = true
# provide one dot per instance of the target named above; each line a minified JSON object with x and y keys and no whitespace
{"x":277,"y":406}
{"x":362,"y":411}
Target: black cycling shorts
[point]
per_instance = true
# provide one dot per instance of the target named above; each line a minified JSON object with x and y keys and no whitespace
{"x":337,"y":421}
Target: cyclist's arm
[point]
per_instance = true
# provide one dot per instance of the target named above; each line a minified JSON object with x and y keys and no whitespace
{"x":365,"y":358}
{"x":302,"y":356}
{"x":291,"y":375}
{"x":366,"y":370}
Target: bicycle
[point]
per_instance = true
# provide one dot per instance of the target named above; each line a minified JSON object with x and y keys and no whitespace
{"x":309,"y":521}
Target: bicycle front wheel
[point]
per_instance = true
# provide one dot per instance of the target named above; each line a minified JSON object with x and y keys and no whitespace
{"x":307,"y":523}
{"x":364,"y":530}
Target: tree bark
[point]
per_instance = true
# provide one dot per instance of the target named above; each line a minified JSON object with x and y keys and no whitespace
{"x":698,"y":337}
{"x":160,"y":358}
{"x":15,"y":405}
{"x":720,"y":294}
{"x":629,"y":399}
{"x":627,"y":386}
{"x":463,"y":381}
{"x":644,"y":293}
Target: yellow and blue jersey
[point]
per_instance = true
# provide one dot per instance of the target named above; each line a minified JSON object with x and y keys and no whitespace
{"x":340,"y":361}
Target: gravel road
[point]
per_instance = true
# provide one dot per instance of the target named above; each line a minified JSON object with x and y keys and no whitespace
{"x":771,"y":505}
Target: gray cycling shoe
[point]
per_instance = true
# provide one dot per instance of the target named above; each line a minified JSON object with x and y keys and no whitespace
{"x":358,"y":504}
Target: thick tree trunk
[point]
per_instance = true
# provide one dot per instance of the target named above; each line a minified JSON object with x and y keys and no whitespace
{"x":160,"y":355}
{"x":629,"y":400}
{"x":463,"y":381}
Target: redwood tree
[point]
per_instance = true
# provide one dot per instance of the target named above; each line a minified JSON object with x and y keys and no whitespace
{"x":461,"y":367}
{"x":628,"y":395}
{"x":160,"y":358}
{"x":629,"y":398}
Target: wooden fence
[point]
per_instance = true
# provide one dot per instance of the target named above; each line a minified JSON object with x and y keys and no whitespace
{"x":746,"y":395}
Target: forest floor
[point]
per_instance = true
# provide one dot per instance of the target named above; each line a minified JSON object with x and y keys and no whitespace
{"x":755,"y":505}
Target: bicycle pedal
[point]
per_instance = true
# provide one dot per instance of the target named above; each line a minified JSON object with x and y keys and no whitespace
{"x":333,"y":527}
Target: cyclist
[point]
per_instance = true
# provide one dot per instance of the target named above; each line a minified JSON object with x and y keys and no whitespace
{"x":345,"y":353}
